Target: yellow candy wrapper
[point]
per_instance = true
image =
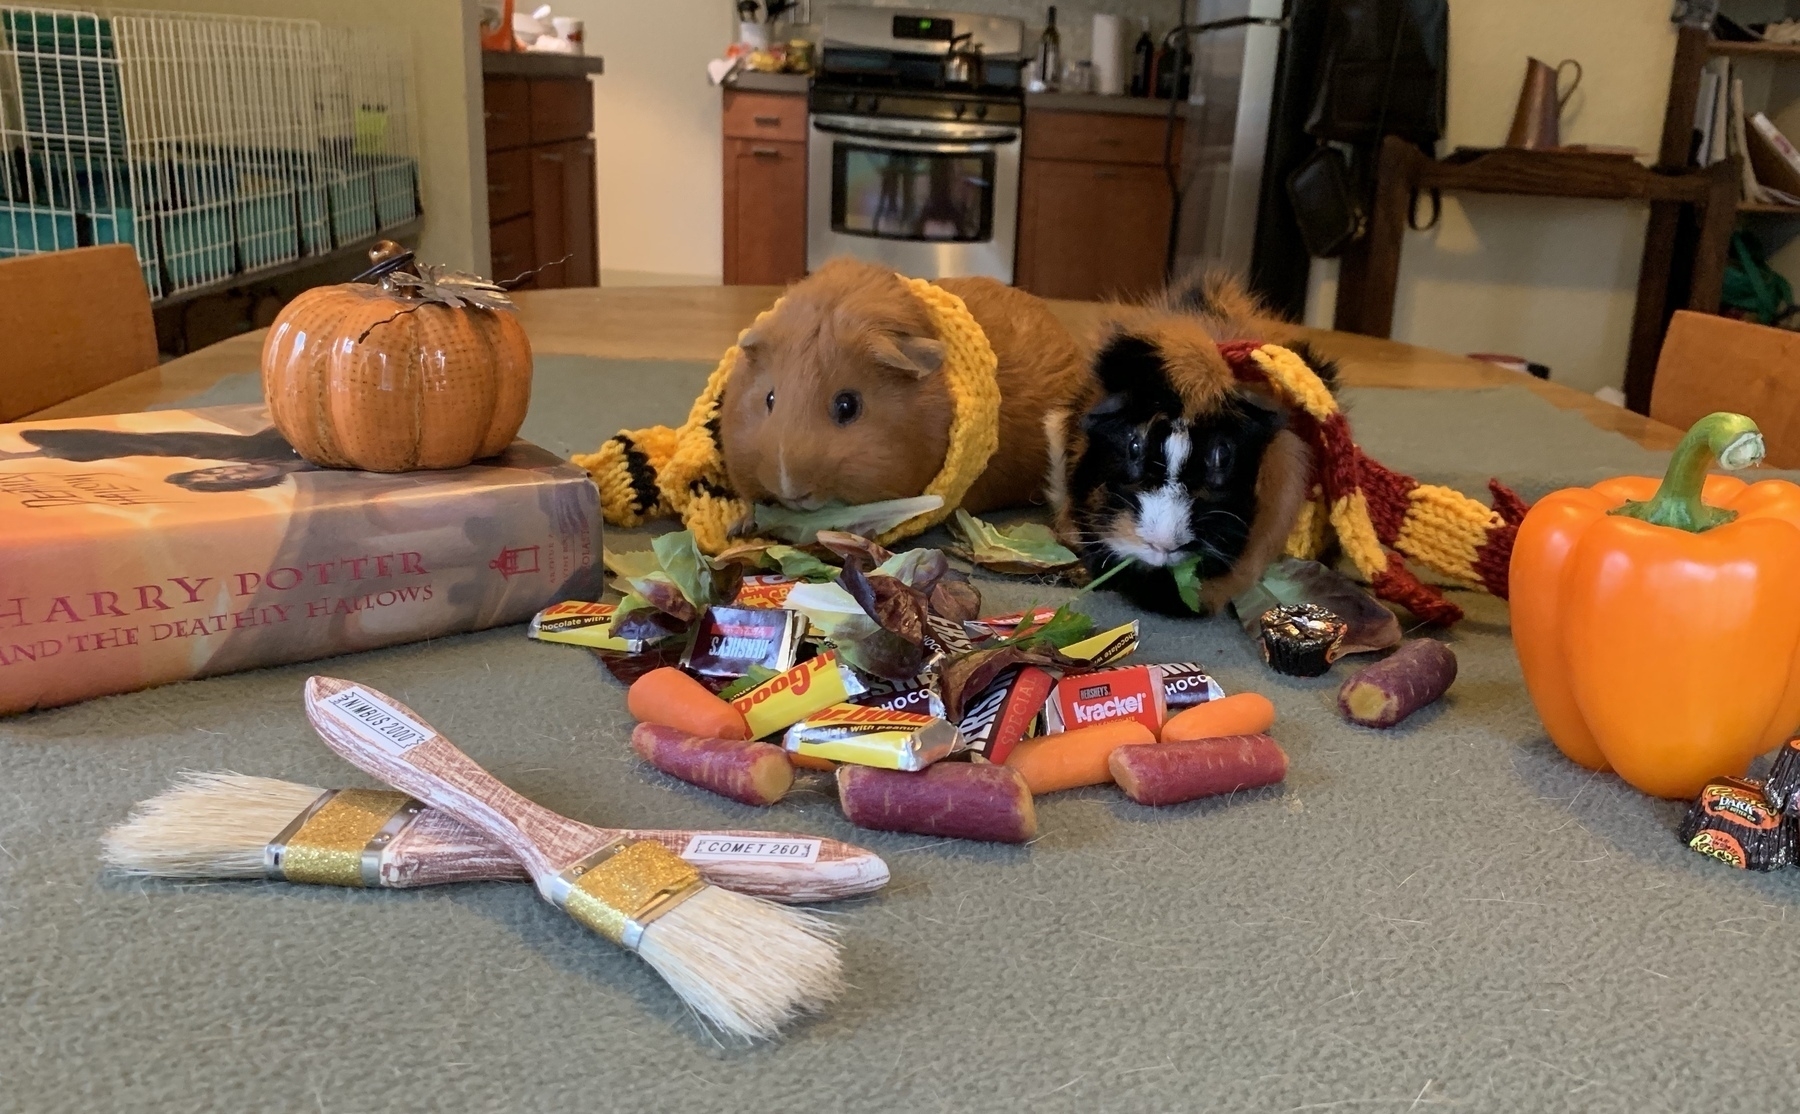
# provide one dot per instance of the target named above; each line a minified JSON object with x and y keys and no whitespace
{"x":876,"y":737}
{"x":1105,"y":648}
{"x":578,"y":623}
{"x":787,"y":698}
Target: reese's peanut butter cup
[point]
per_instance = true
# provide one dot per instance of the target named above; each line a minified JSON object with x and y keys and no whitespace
{"x":1732,"y":821}
{"x":1297,"y":639}
{"x":1783,"y":787}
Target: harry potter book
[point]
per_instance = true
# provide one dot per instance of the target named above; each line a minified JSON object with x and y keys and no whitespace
{"x":139,"y":549}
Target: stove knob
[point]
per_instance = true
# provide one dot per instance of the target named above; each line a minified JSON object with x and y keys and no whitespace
{"x":874,"y":104}
{"x":981,"y":112}
{"x":853,"y":104}
{"x":960,"y":109}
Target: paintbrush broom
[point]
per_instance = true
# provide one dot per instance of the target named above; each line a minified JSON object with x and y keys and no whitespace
{"x":226,"y":825}
{"x":747,"y":965}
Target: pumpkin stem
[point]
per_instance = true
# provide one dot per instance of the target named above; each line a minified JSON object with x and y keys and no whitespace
{"x":1730,"y":439}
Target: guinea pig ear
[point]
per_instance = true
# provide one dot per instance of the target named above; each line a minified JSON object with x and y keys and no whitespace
{"x":914,"y":356}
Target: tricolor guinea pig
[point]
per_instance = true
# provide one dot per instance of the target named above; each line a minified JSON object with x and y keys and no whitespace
{"x":1177,"y":459}
{"x":840,"y":395}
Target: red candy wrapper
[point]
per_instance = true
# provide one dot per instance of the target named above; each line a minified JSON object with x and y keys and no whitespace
{"x":727,"y":641}
{"x":765,"y":590}
{"x":1004,"y":712}
{"x":1135,"y":692}
{"x":1005,"y":626}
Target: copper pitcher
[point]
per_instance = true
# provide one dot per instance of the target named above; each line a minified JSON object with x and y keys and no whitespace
{"x":1536,"y":124}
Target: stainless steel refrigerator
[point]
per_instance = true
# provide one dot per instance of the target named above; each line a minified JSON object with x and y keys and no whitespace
{"x":1243,"y":135}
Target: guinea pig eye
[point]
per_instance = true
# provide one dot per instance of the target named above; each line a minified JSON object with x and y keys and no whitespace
{"x":1218,"y":460}
{"x":846,"y":407}
{"x":769,"y":402}
{"x":1134,"y":444}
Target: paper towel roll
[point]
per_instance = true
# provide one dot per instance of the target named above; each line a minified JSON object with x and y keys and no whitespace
{"x":1109,"y":55}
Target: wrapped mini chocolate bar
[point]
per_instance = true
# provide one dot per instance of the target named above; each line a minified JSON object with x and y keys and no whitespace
{"x":1006,"y":711}
{"x":1186,"y":683}
{"x":727,"y":641}
{"x":1297,"y":639}
{"x":946,"y":636}
{"x":1105,"y":648}
{"x":787,"y":698}
{"x":1783,"y":787}
{"x":577,"y":623}
{"x":1005,"y":626}
{"x":1732,"y":822}
{"x":765,"y":590}
{"x":1084,"y":699}
{"x":914,"y":696}
{"x":874,"y":737}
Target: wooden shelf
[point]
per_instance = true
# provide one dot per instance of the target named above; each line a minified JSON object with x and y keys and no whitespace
{"x":1754,"y":50}
{"x":407,"y":233}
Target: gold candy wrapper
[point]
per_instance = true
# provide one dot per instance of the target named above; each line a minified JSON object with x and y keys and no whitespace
{"x":577,"y":623}
{"x":877,"y":737}
{"x":787,"y":698}
{"x":1105,"y":648}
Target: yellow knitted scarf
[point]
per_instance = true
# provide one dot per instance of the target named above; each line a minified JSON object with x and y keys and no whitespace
{"x":645,"y":473}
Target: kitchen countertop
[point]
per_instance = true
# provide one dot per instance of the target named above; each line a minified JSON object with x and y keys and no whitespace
{"x":525,"y":63}
{"x":1094,"y":102}
{"x":752,"y":82}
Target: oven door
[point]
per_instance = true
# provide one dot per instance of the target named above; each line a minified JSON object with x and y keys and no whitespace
{"x":932,"y":200}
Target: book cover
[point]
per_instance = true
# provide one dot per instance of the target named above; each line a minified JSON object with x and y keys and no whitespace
{"x":1776,"y":162}
{"x":138,"y":549}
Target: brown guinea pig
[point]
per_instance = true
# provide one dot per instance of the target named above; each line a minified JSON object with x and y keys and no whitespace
{"x":1177,"y":460}
{"x":837,"y":397}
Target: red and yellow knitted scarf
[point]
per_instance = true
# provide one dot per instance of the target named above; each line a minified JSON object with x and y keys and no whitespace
{"x":1378,"y":516}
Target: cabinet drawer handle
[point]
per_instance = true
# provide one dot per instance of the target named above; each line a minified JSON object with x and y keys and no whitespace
{"x":765,"y":152}
{"x":1106,"y":174}
{"x":550,"y":156}
{"x":502,"y":260}
{"x":768,"y":121}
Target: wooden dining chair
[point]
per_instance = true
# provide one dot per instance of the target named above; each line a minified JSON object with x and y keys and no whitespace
{"x":1713,"y":363}
{"x":71,"y":321}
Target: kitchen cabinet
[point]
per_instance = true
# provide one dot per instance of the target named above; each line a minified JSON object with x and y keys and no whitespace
{"x":540,"y":171}
{"x":1094,"y":205}
{"x":765,"y":188}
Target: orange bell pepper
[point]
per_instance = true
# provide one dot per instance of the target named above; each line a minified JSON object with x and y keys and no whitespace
{"x":1658,"y":625}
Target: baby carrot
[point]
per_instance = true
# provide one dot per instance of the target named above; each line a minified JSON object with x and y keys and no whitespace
{"x":673,"y":699}
{"x":1053,"y":762}
{"x":1247,"y":713}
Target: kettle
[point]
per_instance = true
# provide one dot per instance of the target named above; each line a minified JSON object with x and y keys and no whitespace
{"x":1536,"y":124}
{"x":962,"y":63}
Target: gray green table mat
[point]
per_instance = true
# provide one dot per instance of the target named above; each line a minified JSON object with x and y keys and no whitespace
{"x":1444,"y":916}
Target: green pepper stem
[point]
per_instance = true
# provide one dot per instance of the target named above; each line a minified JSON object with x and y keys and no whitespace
{"x":1732,"y":440}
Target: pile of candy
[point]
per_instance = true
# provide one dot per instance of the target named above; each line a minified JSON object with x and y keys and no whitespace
{"x":1749,"y":824}
{"x":934,"y":720}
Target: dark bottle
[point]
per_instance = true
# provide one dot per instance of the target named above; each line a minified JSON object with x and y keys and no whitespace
{"x":1142,"y":57}
{"x":1049,"y":57}
{"x":1174,"y":70}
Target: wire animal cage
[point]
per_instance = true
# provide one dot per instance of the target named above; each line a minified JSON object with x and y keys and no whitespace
{"x":218,"y":146}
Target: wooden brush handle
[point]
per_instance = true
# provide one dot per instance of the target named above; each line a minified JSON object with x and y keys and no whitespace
{"x":437,"y":848}
{"x":386,"y":739}
{"x":389,"y":741}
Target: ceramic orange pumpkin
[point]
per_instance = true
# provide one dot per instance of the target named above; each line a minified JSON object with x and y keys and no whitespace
{"x":426,"y":368}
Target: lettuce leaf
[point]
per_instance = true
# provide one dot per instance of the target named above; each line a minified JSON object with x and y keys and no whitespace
{"x":867,"y":519}
{"x":1021,"y":549}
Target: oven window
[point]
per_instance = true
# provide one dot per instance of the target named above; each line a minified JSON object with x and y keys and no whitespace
{"x":912,"y":195}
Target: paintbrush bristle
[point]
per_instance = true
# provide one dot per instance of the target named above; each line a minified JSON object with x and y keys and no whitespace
{"x":206,"y":825}
{"x":747,"y":965}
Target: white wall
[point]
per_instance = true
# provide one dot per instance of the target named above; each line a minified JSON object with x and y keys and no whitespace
{"x":447,"y":77}
{"x":656,"y":136}
{"x":1551,"y":280}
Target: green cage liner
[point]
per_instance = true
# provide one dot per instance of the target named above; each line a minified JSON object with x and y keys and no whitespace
{"x":68,"y":75}
{"x":396,"y":191}
{"x":352,"y":195}
{"x":27,"y":229}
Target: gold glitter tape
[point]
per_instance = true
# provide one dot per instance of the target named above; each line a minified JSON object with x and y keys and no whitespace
{"x":339,"y":839}
{"x":621,"y":888}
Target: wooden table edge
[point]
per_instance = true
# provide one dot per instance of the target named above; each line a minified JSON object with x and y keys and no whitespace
{"x":699,"y":323}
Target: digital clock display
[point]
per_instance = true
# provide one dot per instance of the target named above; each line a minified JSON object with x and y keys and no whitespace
{"x":925,"y":27}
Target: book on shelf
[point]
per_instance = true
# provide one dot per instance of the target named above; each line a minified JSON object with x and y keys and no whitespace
{"x":1751,"y":190}
{"x":1705,"y":104}
{"x":139,"y":549}
{"x":1772,"y":157}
